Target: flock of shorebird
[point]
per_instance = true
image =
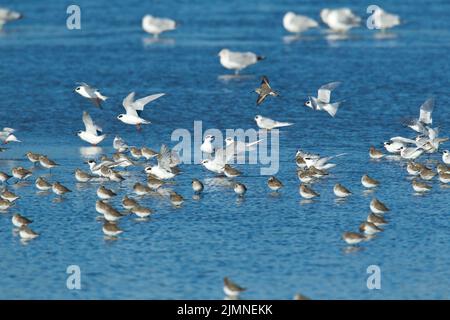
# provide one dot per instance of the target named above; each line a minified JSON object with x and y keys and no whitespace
{"x":311,"y":167}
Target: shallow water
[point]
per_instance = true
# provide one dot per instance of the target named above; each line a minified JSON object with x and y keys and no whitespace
{"x":273,"y":245}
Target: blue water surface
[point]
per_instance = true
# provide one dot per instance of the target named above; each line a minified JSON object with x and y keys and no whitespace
{"x":273,"y":245}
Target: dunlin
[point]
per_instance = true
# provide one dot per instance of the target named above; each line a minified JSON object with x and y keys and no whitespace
{"x":47,"y":163}
{"x":353,"y":237}
{"x":340,"y":191}
{"x":59,"y":189}
{"x":197,"y":186}
{"x":26,"y":233}
{"x":307,"y":192}
{"x":369,"y":228}
{"x":42,"y":184}
{"x":378,"y":207}
{"x":427,"y":173}
{"x":141,"y":212}
{"x":4,"y":177}
{"x":369,"y":182}
{"x":375,"y":154}
{"x":20,"y":221}
{"x":82,"y":176}
{"x":8,"y":195}
{"x":135,"y":153}
{"x":420,"y":187}
{"x":232,"y":289}
{"x":148,"y":153}
{"x":153,"y":182}
{"x":444,"y":177}
{"x":274,"y":184}
{"x":21,"y":173}
{"x":33,"y":157}
{"x":5,"y":204}
{"x":231,"y":172}
{"x":376,"y":219}
{"x":176,"y":199}
{"x":104,"y":193}
{"x":414,"y":168}
{"x":140,"y":189}
{"x":111,"y":229}
{"x":240,"y":189}
{"x":129,"y":203}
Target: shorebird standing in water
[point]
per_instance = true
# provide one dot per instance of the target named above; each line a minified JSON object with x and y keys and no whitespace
{"x":232,"y":289}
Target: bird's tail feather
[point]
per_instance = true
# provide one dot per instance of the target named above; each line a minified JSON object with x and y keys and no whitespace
{"x":332,"y":108}
{"x":283,"y":124}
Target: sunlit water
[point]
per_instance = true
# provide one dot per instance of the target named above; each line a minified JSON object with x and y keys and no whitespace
{"x":273,"y":245}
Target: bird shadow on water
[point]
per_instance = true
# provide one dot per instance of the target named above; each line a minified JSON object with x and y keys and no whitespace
{"x":352,"y":249}
{"x":307,"y":201}
{"x":274,"y":195}
{"x":151,"y":41}
{"x":340,"y":201}
{"x":368,"y":192}
{"x":235,"y":77}
{"x":89,"y":152}
{"x":385,"y":36}
{"x":290,"y":39}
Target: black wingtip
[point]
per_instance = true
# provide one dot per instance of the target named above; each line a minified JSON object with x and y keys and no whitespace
{"x":259,"y":58}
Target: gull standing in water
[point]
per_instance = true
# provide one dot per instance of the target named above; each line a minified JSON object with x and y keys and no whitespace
{"x":383,"y":20}
{"x":156,"y":26}
{"x":134,"y":107}
{"x":93,"y":132}
{"x":322,"y":102}
{"x":340,"y":20}
{"x":237,"y":61}
{"x":297,"y":24}
{"x":90,"y":93}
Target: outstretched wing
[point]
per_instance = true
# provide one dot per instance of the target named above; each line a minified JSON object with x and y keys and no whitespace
{"x":426,"y":110}
{"x":89,"y":124}
{"x":164,"y":158}
{"x":324,"y":92}
{"x":139,"y":104}
{"x":128,"y":104}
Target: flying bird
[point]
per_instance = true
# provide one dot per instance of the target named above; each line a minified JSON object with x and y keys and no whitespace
{"x":322,"y":102}
{"x":7,"y":15}
{"x":134,"y":108}
{"x":264,"y":90}
{"x":93,"y":133}
{"x":425,"y":117}
{"x":163,"y":170}
{"x":90,"y":93}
